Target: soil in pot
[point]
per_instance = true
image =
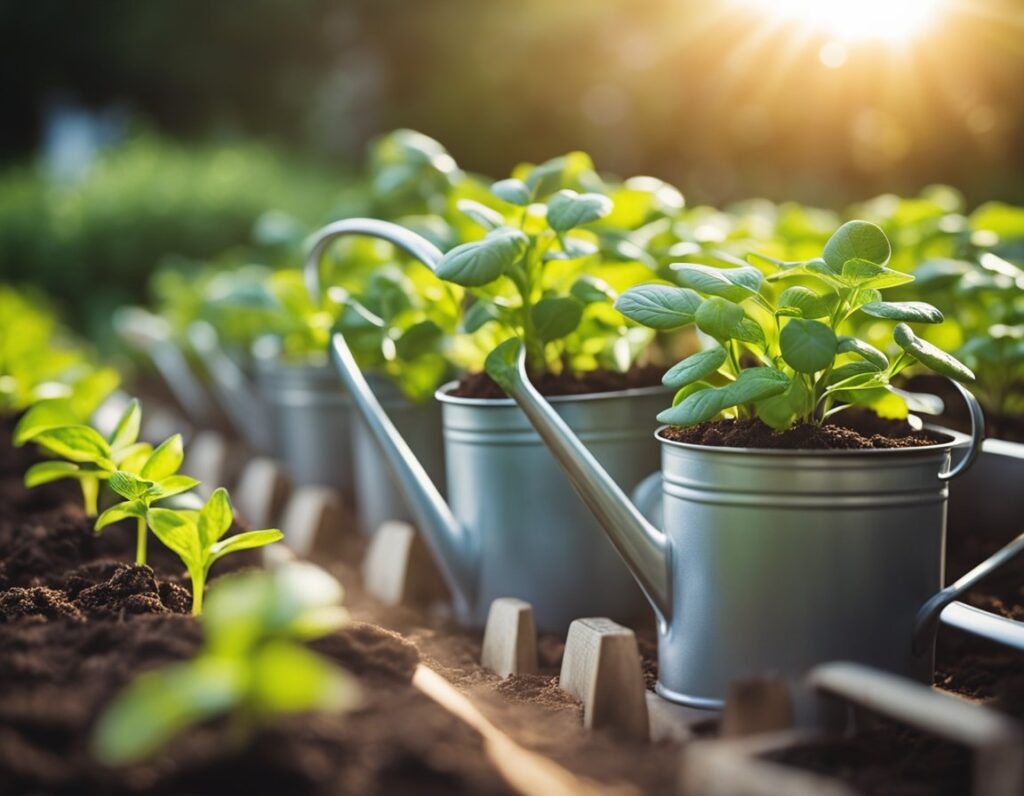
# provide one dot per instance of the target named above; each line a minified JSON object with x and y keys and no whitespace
{"x":480,"y":385}
{"x":859,"y":433}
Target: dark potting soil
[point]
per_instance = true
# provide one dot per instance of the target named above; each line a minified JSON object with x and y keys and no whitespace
{"x":956,"y":415}
{"x":886,"y":759}
{"x":865,"y":433}
{"x":480,"y":385}
{"x":78,"y":621}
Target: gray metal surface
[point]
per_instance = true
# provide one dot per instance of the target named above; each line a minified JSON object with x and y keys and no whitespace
{"x":310,"y":421}
{"x":377,"y":495}
{"x":773,"y":560}
{"x":990,"y":496}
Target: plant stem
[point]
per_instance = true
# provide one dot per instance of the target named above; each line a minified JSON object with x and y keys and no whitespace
{"x":198,"y":584}
{"x":140,"y":541}
{"x":90,"y":494}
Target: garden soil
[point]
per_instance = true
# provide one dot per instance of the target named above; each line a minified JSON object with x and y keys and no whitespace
{"x":480,"y":385}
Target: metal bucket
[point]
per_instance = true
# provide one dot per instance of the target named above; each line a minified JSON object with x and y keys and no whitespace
{"x":310,"y":418}
{"x":378,"y":497}
{"x":535,"y":538}
{"x":782,"y":559}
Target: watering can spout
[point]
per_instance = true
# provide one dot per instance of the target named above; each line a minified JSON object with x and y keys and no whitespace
{"x":644,"y":548}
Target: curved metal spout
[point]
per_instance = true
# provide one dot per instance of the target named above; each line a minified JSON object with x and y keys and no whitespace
{"x":453,"y":548}
{"x":643,"y":547}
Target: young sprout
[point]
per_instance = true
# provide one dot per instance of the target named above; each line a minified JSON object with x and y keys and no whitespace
{"x":253,"y":666}
{"x":156,"y":479}
{"x":88,"y":457}
{"x":787,"y":360}
{"x":196,"y":535}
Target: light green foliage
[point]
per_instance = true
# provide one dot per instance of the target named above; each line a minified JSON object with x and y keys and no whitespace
{"x":253,"y":666}
{"x":789,"y":360}
{"x":197,"y":537}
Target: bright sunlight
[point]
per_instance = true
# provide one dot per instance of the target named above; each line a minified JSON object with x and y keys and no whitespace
{"x":857,"y":20}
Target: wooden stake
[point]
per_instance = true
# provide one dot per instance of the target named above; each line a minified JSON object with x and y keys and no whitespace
{"x":260,"y":492}
{"x":311,"y":512}
{"x":510,"y":638}
{"x":397,"y":567}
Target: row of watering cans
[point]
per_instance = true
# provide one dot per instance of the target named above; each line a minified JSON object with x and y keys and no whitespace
{"x":753,"y":560}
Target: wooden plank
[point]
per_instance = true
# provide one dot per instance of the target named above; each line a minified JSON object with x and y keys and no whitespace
{"x":510,"y":638}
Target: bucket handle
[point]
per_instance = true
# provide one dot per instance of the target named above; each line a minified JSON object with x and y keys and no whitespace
{"x":977,"y":434}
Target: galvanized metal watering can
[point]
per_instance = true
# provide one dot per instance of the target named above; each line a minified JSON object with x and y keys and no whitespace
{"x":778,"y":560}
{"x":512,"y":526}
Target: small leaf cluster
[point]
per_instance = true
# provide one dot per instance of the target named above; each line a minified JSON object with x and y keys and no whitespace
{"x":253,"y":668}
{"x":786,"y":359}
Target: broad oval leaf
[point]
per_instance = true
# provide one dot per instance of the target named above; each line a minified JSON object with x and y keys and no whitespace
{"x":910,"y":311}
{"x":45,"y":472}
{"x":44,"y":415}
{"x":752,"y":385}
{"x":719,"y":318}
{"x":659,"y":306}
{"x":512,"y":191}
{"x":135,"y":509}
{"x":244,"y":541}
{"x":865,"y":274}
{"x":856,"y":240}
{"x":481,"y":262}
{"x":483,"y":215}
{"x":779,"y":411}
{"x":568,"y":209}
{"x":866,"y":351}
{"x":128,"y":485}
{"x":480,"y":313}
{"x":215,"y":518}
{"x":419,"y":339}
{"x":171,"y":486}
{"x":695,"y":367}
{"x":734,"y":284}
{"x":555,"y":317}
{"x":811,"y":305}
{"x":931,"y":356}
{"x":77,"y":444}
{"x":591,"y":290}
{"x":165,"y":460}
{"x":807,"y":346}
{"x":178,"y":532}
{"x":502,"y":364}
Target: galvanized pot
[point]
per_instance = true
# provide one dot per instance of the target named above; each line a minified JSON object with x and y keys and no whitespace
{"x":514,"y":528}
{"x":778,"y":560}
{"x":377,"y":495}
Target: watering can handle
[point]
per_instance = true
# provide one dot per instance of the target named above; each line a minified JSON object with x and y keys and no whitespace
{"x":406,"y":240}
{"x":977,"y":434}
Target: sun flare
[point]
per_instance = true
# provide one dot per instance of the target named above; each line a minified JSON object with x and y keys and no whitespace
{"x":856,"y":20}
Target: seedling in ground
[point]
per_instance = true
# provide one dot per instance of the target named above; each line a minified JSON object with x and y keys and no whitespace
{"x":786,"y":359}
{"x":155,"y":480}
{"x":87,"y":456}
{"x":197,"y":536}
{"x":253,"y":667}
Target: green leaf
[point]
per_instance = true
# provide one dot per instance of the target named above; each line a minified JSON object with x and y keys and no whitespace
{"x":864,"y":273}
{"x":512,"y":191}
{"x":695,"y":367}
{"x":931,"y":356}
{"x":288,"y":678}
{"x":88,"y":392}
{"x":129,"y":485}
{"x":244,"y":541}
{"x":178,"y":533}
{"x":910,"y":311}
{"x":503,"y":362}
{"x":685,"y":392}
{"x":121,"y":511}
{"x":591,"y":290}
{"x":165,"y":460}
{"x":779,"y":411}
{"x":127,"y":430}
{"x":481,"y":262}
{"x":719,"y":318}
{"x":215,"y":518}
{"x":734,"y":284}
{"x":807,"y":346}
{"x":752,"y":385}
{"x":44,"y":415}
{"x":419,"y":339}
{"x":45,"y":472}
{"x":481,"y":312}
{"x":568,"y":209}
{"x":866,"y":351}
{"x":480,"y":213}
{"x":133,"y":458}
{"x":856,"y":240}
{"x":170,"y":486}
{"x":659,"y":306}
{"x":555,"y":317}
{"x":76,"y":444}
{"x":157,"y":706}
{"x":811,"y":304}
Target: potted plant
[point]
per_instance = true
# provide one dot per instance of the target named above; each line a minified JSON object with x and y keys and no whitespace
{"x":513,"y":527}
{"x":787,"y":540}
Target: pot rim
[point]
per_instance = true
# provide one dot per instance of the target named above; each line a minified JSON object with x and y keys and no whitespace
{"x":442,"y":395}
{"x":956,"y":438}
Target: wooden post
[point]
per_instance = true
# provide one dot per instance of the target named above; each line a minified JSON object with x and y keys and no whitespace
{"x":398,"y":568}
{"x":311,"y":512}
{"x":260,"y":493}
{"x":510,"y":638}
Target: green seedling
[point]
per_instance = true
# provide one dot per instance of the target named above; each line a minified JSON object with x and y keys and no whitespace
{"x":536,"y":272}
{"x":88,"y":457}
{"x":253,"y":667}
{"x":197,"y":536}
{"x":142,"y":482}
{"x":787,"y":360}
